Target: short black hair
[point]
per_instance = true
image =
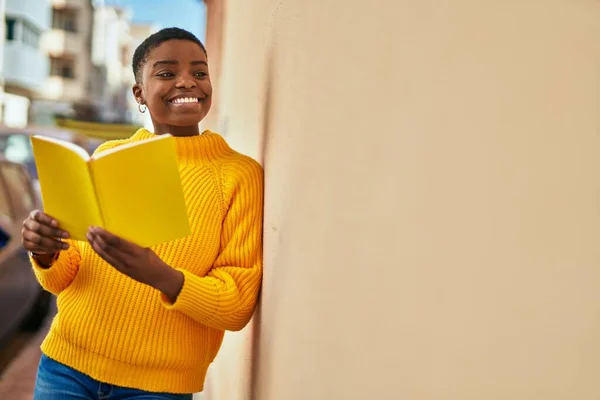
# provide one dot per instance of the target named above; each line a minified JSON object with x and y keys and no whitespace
{"x":140,"y":56}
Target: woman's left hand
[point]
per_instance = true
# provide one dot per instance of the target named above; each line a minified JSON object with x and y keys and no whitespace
{"x":139,"y":263}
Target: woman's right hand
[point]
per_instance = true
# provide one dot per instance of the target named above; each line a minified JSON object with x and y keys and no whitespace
{"x":41,"y":235}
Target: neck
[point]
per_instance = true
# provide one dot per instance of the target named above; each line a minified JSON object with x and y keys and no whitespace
{"x":160,"y":129}
{"x":194,"y":149}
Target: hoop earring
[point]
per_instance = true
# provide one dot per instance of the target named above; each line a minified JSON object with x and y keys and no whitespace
{"x":140,"y":105}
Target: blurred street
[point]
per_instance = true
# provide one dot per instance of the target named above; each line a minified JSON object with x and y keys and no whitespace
{"x":18,"y":363}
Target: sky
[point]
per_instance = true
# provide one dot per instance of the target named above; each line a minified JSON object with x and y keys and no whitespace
{"x":187,"y":14}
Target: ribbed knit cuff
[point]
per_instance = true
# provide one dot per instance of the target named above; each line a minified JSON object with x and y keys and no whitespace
{"x":199,"y":297}
{"x":61,"y":273}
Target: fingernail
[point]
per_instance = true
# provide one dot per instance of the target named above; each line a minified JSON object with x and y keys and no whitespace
{"x":65,"y":246}
{"x":88,"y":236}
{"x":54,"y":222}
{"x":65,"y":235}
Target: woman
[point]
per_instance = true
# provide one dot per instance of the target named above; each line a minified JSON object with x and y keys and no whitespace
{"x":145,"y":323}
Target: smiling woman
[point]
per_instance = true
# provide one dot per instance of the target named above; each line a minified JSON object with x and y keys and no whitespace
{"x":132,"y":320}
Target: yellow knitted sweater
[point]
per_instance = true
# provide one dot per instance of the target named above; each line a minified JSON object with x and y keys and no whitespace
{"x":125,"y":333}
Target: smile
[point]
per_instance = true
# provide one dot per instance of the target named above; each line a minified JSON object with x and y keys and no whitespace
{"x":185,"y":100}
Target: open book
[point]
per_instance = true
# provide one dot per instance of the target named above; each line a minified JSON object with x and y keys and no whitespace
{"x":133,"y":190}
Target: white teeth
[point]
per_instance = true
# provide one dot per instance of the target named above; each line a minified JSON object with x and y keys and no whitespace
{"x":185,"y":100}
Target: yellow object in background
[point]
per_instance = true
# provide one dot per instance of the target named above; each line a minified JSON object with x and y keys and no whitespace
{"x":133,"y":191}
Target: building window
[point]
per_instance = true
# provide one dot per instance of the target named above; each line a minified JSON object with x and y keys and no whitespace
{"x":63,"y":67}
{"x":19,"y":30}
{"x":64,"y":19}
{"x":31,"y":36}
{"x":10,"y":28}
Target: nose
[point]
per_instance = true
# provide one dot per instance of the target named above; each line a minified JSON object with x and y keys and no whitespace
{"x":185,"y":82}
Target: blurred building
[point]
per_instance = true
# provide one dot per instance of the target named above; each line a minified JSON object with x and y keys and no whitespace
{"x":138,"y":33}
{"x":88,"y":48}
{"x":110,"y":56}
{"x":25,"y":66}
{"x":67,"y":64}
{"x":69,"y":88}
{"x":111,"y":111}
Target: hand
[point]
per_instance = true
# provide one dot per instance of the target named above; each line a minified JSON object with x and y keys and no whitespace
{"x":41,"y":235}
{"x":139,"y":263}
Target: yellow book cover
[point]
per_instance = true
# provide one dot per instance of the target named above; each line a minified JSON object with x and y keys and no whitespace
{"x":133,"y":190}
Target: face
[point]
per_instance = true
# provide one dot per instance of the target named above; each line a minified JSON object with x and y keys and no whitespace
{"x":175,"y":87}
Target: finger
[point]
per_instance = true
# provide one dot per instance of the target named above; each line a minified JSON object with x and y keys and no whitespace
{"x":114,"y":241}
{"x":44,"y":230}
{"x":108,"y":248}
{"x":99,"y":248}
{"x":52,"y":246}
{"x":34,"y":248}
{"x":43,"y":218}
{"x":43,"y":242}
{"x":33,"y":241}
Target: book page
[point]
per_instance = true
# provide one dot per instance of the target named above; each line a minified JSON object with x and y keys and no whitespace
{"x":139,"y":192}
{"x":80,"y":151}
{"x":129,"y":145}
{"x":66,"y":185}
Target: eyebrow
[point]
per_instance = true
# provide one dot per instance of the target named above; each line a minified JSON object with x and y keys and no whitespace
{"x":175,"y":62}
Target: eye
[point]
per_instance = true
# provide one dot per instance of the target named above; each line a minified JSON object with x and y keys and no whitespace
{"x":200,"y":74}
{"x":165,"y":74}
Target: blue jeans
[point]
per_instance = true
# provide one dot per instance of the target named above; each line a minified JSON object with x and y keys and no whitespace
{"x":56,"y":381}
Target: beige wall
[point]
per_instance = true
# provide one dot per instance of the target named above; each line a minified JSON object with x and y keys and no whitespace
{"x":238,"y":74}
{"x":432,"y":227}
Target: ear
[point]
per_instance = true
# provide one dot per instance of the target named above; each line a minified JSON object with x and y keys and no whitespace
{"x":138,"y":93}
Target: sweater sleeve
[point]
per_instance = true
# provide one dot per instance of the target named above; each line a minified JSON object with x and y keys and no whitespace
{"x":225,"y":298}
{"x":62,"y":272}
